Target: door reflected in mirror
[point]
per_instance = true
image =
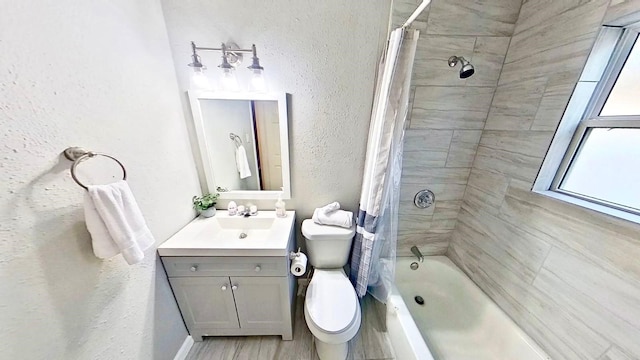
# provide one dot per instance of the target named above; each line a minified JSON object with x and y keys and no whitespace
{"x":243,"y":140}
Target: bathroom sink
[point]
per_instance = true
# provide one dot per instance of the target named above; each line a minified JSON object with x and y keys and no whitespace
{"x":225,"y":235}
{"x":239,"y":222}
{"x":250,"y":228}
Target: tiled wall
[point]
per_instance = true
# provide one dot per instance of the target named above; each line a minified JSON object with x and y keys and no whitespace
{"x":448,"y":114}
{"x":568,"y":276}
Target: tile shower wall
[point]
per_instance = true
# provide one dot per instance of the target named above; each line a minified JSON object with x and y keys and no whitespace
{"x":568,"y":276}
{"x":447,"y":113}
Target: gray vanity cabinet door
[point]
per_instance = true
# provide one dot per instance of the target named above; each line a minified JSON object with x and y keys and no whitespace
{"x":262,"y":302}
{"x":206,"y":302}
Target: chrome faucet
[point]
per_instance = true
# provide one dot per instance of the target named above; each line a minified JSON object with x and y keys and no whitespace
{"x":417,"y":253}
{"x":247,"y":211}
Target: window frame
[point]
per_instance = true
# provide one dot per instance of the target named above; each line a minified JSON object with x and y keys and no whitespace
{"x":604,"y":65}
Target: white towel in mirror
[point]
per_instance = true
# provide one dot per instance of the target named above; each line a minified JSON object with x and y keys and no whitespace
{"x":242,"y":163}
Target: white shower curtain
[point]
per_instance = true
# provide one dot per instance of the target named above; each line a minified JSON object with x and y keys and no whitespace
{"x":374,"y":249}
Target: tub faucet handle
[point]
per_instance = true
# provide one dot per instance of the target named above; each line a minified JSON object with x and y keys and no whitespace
{"x":417,"y":253}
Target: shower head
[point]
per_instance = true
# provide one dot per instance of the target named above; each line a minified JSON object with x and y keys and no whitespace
{"x":466,"y":70}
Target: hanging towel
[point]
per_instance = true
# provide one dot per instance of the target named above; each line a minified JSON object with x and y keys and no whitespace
{"x":115,"y":222}
{"x":336,"y":218}
{"x":242,"y":163}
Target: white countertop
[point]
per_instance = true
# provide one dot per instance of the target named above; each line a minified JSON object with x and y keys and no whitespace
{"x":201,"y":237}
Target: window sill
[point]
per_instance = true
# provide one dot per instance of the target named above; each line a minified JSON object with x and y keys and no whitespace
{"x":591,"y":206}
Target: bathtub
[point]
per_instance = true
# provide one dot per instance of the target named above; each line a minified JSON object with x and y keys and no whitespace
{"x":457,"y":321}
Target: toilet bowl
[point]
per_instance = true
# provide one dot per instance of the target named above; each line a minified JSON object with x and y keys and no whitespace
{"x":331,"y":307}
{"x":332,"y":313}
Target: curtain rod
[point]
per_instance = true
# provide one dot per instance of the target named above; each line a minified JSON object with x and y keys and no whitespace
{"x":416,"y":13}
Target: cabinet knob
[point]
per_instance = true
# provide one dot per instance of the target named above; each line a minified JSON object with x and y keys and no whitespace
{"x":258,"y":268}
{"x":224,"y":288}
{"x":194,"y":268}
{"x":234,"y":287}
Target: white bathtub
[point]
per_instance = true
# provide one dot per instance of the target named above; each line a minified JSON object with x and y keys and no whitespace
{"x":457,"y":321}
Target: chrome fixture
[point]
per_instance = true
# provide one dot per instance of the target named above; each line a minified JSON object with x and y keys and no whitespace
{"x":424,"y":199}
{"x":294,"y":255}
{"x":257,"y":82}
{"x":236,"y":139}
{"x":416,"y":13}
{"x":246,"y":211}
{"x":417,"y":253}
{"x":78,"y":155}
{"x":466,"y":70}
{"x":414,"y":266}
{"x":231,"y":59}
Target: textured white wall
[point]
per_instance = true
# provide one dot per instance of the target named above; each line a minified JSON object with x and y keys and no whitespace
{"x":97,"y":74}
{"x":324,"y":53}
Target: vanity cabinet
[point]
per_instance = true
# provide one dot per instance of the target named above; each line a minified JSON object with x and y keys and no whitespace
{"x":230,"y":296}
{"x":196,"y":296}
{"x":253,"y":311}
{"x":231,"y":285}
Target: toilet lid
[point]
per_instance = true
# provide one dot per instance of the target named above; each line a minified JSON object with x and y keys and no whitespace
{"x":331,"y":301}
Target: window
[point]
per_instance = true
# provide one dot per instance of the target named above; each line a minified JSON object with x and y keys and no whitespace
{"x":594,"y":159}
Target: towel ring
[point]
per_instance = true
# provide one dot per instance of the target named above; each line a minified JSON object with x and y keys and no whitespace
{"x":236,"y":139}
{"x":78,"y":155}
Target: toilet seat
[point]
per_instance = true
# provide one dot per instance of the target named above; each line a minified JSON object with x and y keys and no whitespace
{"x":331,"y":306}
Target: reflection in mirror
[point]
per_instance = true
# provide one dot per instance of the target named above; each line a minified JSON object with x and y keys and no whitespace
{"x":243,"y":141}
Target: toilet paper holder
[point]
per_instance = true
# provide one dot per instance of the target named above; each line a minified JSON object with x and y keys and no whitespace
{"x":293,"y":255}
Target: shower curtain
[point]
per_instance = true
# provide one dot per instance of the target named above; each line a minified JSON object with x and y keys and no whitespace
{"x":374,"y":249}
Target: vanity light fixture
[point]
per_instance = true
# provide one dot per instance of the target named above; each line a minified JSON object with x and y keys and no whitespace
{"x":231,"y":58}
{"x":257,"y":83}
{"x":199,"y":78}
{"x":229,"y":81}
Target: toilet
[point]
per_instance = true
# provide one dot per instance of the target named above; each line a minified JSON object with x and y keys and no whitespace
{"x":331,"y":306}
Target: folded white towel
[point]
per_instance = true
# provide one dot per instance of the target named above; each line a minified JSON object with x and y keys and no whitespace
{"x":242,"y":163}
{"x":116,"y":223}
{"x":329,"y":208}
{"x":336,"y":218}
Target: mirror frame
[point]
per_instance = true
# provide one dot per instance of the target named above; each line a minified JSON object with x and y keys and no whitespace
{"x":195,"y":96}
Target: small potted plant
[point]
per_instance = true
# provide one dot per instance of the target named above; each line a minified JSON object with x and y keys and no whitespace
{"x":205,"y":204}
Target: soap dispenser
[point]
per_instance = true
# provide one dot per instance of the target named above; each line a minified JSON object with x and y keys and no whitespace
{"x":281,"y":211}
{"x":232,"y":208}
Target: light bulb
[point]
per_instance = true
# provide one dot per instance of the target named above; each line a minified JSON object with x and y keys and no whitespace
{"x":229,"y":81}
{"x":199,"y":78}
{"x":257,"y":82}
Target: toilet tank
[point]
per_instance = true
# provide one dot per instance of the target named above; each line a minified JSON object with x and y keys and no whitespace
{"x":328,"y":247}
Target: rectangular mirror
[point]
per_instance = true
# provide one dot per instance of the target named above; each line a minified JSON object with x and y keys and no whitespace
{"x":243,"y":140}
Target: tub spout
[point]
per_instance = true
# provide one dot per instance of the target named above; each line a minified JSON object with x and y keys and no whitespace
{"x":417,"y":253}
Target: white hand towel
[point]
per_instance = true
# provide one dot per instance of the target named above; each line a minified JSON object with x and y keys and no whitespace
{"x":329,"y":208}
{"x":242,"y":163}
{"x":116,"y":223}
{"x":336,"y":218}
